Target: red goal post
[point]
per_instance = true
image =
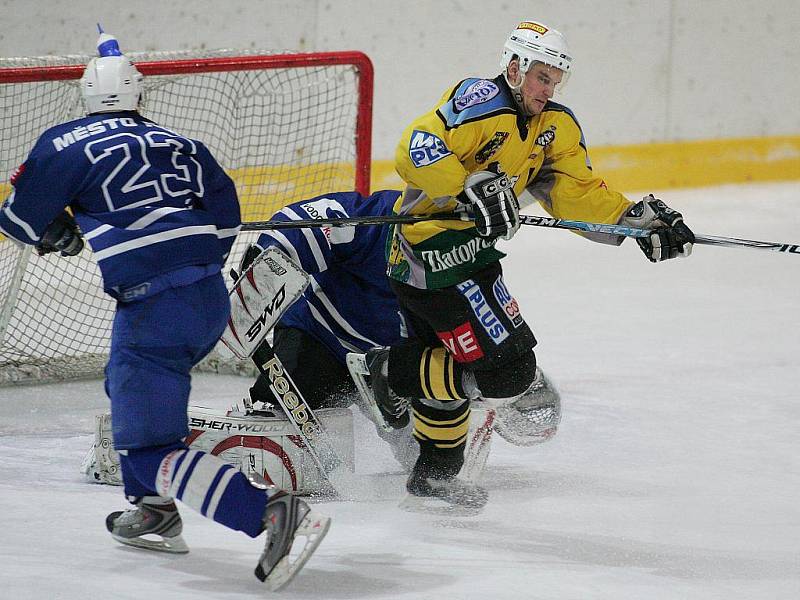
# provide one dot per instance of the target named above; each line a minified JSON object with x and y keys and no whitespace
{"x":285,"y":126}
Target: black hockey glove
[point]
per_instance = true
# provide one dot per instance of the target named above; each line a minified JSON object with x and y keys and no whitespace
{"x":252,"y":252}
{"x":62,"y":235}
{"x":492,"y":203}
{"x":670,"y":236}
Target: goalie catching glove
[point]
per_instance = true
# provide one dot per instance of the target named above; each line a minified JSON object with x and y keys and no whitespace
{"x":492,"y":203}
{"x":670,"y":237}
{"x":62,"y":235}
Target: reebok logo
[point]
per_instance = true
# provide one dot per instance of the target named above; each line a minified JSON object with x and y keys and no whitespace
{"x":285,"y":392}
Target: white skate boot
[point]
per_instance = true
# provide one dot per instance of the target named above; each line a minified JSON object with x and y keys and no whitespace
{"x":154,"y":524}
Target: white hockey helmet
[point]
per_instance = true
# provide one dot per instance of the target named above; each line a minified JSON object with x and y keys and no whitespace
{"x":533,"y":42}
{"x":110,"y":82}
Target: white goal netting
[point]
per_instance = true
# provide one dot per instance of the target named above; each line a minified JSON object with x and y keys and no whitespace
{"x":284,"y":126}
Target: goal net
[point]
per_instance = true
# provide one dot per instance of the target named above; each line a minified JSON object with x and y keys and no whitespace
{"x":284,"y":126}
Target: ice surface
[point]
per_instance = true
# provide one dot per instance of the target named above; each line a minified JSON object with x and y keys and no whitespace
{"x":675,"y":474}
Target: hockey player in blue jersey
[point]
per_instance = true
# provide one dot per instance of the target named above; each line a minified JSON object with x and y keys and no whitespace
{"x":161,"y":216}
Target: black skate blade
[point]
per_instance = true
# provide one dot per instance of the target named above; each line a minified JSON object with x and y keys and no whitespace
{"x":311,"y":531}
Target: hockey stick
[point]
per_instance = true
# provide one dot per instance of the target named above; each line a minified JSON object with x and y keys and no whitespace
{"x":635,"y":232}
{"x":477,"y":450}
{"x":350,"y":221}
{"x":300,"y":415}
{"x":270,"y":285}
{"x":533,"y":220}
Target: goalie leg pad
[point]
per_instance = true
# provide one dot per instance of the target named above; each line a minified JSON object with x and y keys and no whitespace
{"x":531,"y":417}
{"x":101,"y":464}
{"x":260,"y":444}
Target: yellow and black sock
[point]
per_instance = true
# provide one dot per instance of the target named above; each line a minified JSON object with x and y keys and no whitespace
{"x":438,"y":375}
{"x":442,"y":435}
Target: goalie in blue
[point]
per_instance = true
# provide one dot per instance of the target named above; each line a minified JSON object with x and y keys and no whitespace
{"x":160,"y":215}
{"x":347,"y":308}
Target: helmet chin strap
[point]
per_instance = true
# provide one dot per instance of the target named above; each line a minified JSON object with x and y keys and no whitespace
{"x":516,"y":92}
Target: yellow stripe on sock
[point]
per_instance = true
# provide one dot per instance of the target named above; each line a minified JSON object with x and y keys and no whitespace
{"x":451,"y":375}
{"x":439,"y":431}
{"x":437,"y":375}
{"x":435,"y":422}
{"x":424,"y":373}
{"x":460,"y":441}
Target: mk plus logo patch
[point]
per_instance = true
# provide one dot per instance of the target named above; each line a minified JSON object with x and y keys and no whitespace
{"x":426,"y":148}
{"x":478,"y":93}
{"x":507,"y":301}
{"x":462,"y":343}
{"x":492,"y":146}
{"x":488,"y":320}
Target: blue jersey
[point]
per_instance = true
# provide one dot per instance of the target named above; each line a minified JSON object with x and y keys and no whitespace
{"x":349,"y":306}
{"x":150,"y":202}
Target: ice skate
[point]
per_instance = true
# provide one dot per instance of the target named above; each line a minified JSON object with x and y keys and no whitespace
{"x":286,"y":518}
{"x":450,"y":495}
{"x":154,"y":524}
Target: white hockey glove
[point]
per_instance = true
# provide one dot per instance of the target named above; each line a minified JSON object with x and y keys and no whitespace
{"x":670,"y":236}
{"x":492,"y":203}
{"x":62,"y":235}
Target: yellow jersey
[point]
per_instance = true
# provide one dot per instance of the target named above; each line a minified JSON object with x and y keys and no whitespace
{"x":475,"y":126}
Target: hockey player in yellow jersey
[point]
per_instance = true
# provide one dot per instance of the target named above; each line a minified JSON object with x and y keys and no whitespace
{"x":484,"y":143}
